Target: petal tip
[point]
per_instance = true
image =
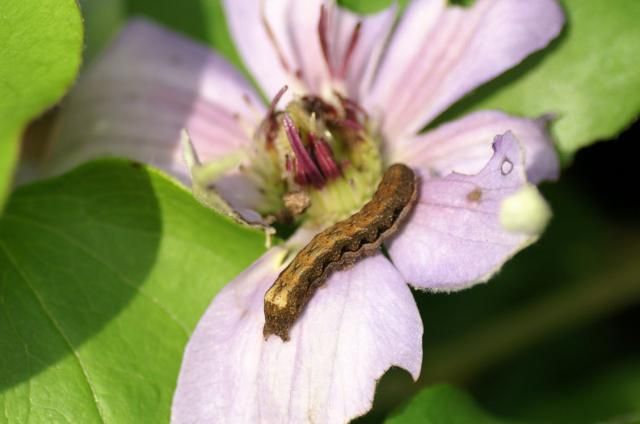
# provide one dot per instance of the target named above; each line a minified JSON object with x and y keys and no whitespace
{"x":525,"y":212}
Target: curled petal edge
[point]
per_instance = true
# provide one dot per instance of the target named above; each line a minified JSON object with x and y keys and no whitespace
{"x":456,"y":236}
{"x":361,"y":323}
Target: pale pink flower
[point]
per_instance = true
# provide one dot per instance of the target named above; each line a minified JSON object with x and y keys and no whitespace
{"x":476,"y":206}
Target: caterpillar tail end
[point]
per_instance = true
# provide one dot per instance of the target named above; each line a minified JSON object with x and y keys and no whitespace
{"x":275,"y":328}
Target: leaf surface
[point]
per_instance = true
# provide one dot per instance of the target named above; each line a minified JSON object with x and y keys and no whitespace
{"x":41,"y":43}
{"x":443,"y":405}
{"x":104,"y":273}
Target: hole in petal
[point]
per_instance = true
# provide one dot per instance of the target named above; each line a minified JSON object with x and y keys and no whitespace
{"x":506,"y":167}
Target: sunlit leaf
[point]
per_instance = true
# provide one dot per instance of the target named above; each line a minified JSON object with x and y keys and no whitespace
{"x":104,"y":273}
{"x":40,"y":45}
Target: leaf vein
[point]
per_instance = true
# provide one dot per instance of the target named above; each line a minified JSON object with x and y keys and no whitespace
{"x":28,"y":358}
{"x":126,"y":282}
{"x":57,"y":326}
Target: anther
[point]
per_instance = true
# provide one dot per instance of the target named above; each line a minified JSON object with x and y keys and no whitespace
{"x":306,"y":171}
{"x":323,"y":30}
{"x":324,"y":157}
{"x":348,"y":54}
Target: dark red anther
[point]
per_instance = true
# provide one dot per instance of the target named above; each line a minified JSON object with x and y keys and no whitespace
{"x":348,"y":54}
{"x":351,"y":124}
{"x":337,"y":70}
{"x":322,"y":109}
{"x":323,"y":30}
{"x":352,"y":109}
{"x":276,"y":99}
{"x":305,"y":170}
{"x":269,"y":127}
{"x":324,"y":157}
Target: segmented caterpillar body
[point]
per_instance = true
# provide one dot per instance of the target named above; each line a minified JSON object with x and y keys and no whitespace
{"x":339,"y":247}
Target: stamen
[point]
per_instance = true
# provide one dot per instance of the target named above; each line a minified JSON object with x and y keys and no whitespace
{"x":276,"y":99}
{"x":348,"y":54}
{"x":306,"y":171}
{"x":323,"y":35}
{"x":324,"y":156}
{"x":354,"y":114}
{"x":269,"y":127}
{"x":351,"y":124}
{"x":272,"y":38}
{"x":350,"y":105}
{"x":315,"y":105}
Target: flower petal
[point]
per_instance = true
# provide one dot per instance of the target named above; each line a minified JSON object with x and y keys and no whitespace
{"x":259,"y":29}
{"x":363,"y":321}
{"x":280,"y":43}
{"x":135,"y":99}
{"x":370,"y":34}
{"x":220,"y":367}
{"x":455,"y":236}
{"x":464,"y":145}
{"x":438,"y":54}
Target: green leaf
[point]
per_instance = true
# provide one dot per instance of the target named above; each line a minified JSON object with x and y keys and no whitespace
{"x":104,"y":273}
{"x":368,"y":6}
{"x":40,"y":41}
{"x":443,"y":405}
{"x":8,"y":156}
{"x":588,"y":76}
{"x":102,"y":18}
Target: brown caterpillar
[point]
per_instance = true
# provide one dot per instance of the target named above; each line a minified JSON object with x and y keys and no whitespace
{"x":339,"y":247}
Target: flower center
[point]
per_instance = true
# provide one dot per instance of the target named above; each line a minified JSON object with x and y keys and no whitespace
{"x":319,"y":159}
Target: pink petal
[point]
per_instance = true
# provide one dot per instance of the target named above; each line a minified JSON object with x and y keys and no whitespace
{"x":464,"y":145}
{"x":363,"y":60}
{"x":242,"y":194}
{"x":280,"y":44}
{"x":134,"y":100}
{"x":270,"y":48}
{"x":439,"y":54}
{"x":363,"y":321}
{"x":454,"y":238}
